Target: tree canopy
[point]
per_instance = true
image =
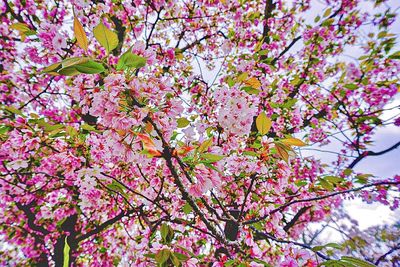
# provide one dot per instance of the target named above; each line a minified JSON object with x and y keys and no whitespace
{"x":193,"y":133}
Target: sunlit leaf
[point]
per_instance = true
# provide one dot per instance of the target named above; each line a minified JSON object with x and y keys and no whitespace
{"x":182,"y":122}
{"x":187,"y":208}
{"x":180,"y":256}
{"x":77,"y":65}
{"x":22,"y":27}
{"x":107,"y":38}
{"x":250,"y":90}
{"x":66,"y":253}
{"x":73,"y":61}
{"x":68,"y":71}
{"x":212,"y":157}
{"x":149,"y":146}
{"x":293,"y":142}
{"x":162,"y":256}
{"x":327,"y":12}
{"x":243,"y":76}
{"x":253,"y":82}
{"x":80,"y":34}
{"x":90,"y":67}
{"x":357,"y":262}
{"x":351,"y":86}
{"x":52,"y":68}
{"x":283,"y":154}
{"x":117,"y":187}
{"x":205,"y":145}
{"x":395,"y":55}
{"x":14,"y":110}
{"x":263,"y":123}
{"x":88,"y":127}
{"x":130,"y":60}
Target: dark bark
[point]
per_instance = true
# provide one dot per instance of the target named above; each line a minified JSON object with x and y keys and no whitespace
{"x":232,"y":227}
{"x":68,"y":226}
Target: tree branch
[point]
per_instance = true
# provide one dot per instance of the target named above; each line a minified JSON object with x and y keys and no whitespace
{"x":296,"y":218}
{"x":372,"y":153}
{"x":31,"y":218}
{"x":104,"y":225}
{"x":261,"y":235}
{"x":381,"y":258}
{"x":282,"y":207}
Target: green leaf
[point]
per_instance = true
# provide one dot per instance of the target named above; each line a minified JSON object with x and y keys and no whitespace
{"x":68,"y":71}
{"x":395,"y":55}
{"x":205,"y":145}
{"x":117,"y":187}
{"x":187,"y":209}
{"x":187,"y":251}
{"x":231,"y":82}
{"x":66,"y":253}
{"x":382,"y":34}
{"x":175,"y":260}
{"x":290,"y":103}
{"x":262,"y":262}
{"x":347,"y":262}
{"x":75,"y":65}
{"x":182,"y":122}
{"x":4,"y":129}
{"x":180,"y":256}
{"x":363,"y":178}
{"x":263,"y":123}
{"x":14,"y":110}
{"x":330,"y":245}
{"x":333,"y":179}
{"x":90,"y":67}
{"x":327,"y":22}
{"x":325,"y":184}
{"x":230,"y":262}
{"x":347,"y":172}
{"x":243,"y":76}
{"x":167,"y":233}
{"x":130,"y":60}
{"x":327,"y":12}
{"x":162,"y":256}
{"x":356,"y":262}
{"x":318,"y":248}
{"x":212,"y":157}
{"x":164,"y":230}
{"x":300,"y":183}
{"x":52,"y":127}
{"x":150,"y":255}
{"x":250,"y":153}
{"x":71,"y":131}
{"x":351,"y":86}
{"x":88,"y":127}
{"x":107,"y":38}
{"x":73,"y":61}
{"x":52,"y":68}
{"x":250,"y":90}
{"x":263,"y":52}
{"x":22,"y":27}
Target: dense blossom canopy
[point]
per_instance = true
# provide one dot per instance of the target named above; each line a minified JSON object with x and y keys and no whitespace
{"x":174,"y":133}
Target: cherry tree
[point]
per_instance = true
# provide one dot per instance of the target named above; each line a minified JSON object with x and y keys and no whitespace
{"x":193,"y":133}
